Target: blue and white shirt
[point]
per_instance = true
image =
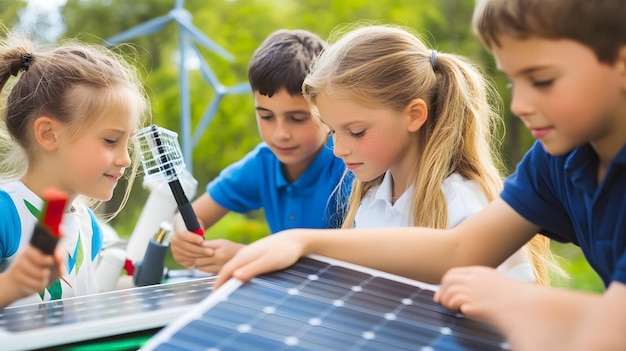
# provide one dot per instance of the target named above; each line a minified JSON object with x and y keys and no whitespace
{"x":81,"y":238}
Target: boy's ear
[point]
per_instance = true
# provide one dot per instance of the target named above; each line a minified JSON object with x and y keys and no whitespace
{"x":45,"y":132}
{"x":418,"y":114}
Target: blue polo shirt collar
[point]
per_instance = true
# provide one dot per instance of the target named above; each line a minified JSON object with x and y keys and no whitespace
{"x":310,"y":176}
{"x":582,"y":164}
{"x":621,"y":157}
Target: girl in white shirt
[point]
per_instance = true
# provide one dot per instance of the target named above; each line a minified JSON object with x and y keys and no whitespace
{"x":415,"y":127}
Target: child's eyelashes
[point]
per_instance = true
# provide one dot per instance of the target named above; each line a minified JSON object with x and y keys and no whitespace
{"x":357,"y":134}
{"x":536,"y":83}
{"x":293,"y":119}
{"x":350,"y":133}
{"x":299,"y":120}
{"x":111,"y":141}
{"x":542,"y":83}
{"x":299,"y":117}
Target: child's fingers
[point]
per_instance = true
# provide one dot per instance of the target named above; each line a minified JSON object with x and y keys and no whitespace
{"x":208,"y":264}
{"x":268,"y":254}
{"x":191,"y":252}
{"x":186,"y":253}
{"x":452,"y":293}
{"x":37,"y":258}
{"x":30,"y":271}
{"x":59,"y":255}
{"x":187,"y":239}
{"x":35,"y":283}
{"x":189,"y":245}
{"x":228,"y":269}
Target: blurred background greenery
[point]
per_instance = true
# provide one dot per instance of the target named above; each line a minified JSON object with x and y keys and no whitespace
{"x":239,"y":26}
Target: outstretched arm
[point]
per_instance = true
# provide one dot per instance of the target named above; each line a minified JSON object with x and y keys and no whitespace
{"x":424,"y":254}
{"x":603,"y":327}
{"x":267,"y":254}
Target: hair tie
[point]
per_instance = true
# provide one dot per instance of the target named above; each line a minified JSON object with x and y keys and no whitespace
{"x":433,"y":59}
{"x":25,"y":62}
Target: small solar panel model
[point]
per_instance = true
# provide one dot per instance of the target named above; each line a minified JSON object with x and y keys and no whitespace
{"x":323,"y":304}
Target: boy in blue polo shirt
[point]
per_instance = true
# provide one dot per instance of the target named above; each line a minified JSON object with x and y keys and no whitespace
{"x":569,"y":89}
{"x":293,"y":174}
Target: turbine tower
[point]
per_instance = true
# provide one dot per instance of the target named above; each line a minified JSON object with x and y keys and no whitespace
{"x":188,"y":34}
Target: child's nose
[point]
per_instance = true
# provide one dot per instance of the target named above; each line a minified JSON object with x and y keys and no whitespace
{"x":282,"y":131}
{"x":520,"y":105}
{"x":123,"y":160}
{"x":339,"y":148}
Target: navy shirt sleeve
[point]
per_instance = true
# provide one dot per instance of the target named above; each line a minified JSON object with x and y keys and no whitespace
{"x":533,"y":192}
{"x":620,"y":271}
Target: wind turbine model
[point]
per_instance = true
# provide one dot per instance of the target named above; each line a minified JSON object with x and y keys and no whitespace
{"x":188,"y":34}
{"x":220,"y":92}
{"x":160,"y":205}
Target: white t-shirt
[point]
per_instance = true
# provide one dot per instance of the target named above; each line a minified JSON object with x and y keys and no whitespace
{"x":464,"y":199}
{"x":81,"y":237}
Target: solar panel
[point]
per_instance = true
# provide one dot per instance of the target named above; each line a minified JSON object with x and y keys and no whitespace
{"x":100,"y":315}
{"x":322,"y":304}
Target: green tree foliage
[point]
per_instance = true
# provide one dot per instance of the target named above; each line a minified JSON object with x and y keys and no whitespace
{"x":10,"y":11}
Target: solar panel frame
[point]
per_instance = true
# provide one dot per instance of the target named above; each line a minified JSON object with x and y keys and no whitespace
{"x":333,"y":308}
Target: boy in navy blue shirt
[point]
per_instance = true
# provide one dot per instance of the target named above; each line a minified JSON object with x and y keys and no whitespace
{"x":566,"y":60}
{"x":292,"y":175}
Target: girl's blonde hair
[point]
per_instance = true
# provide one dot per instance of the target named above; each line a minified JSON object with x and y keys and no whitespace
{"x":384,"y":66}
{"x":75,"y":83}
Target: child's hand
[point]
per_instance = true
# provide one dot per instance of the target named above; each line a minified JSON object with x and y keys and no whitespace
{"x":268,"y":254}
{"x":30,"y":273}
{"x":532,"y":317}
{"x":60,"y":255}
{"x":471,"y":290}
{"x":187,"y":247}
{"x":223,"y":251}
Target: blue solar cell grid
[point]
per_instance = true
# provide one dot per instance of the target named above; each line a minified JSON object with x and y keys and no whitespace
{"x":100,"y":315}
{"x":318,"y":305}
